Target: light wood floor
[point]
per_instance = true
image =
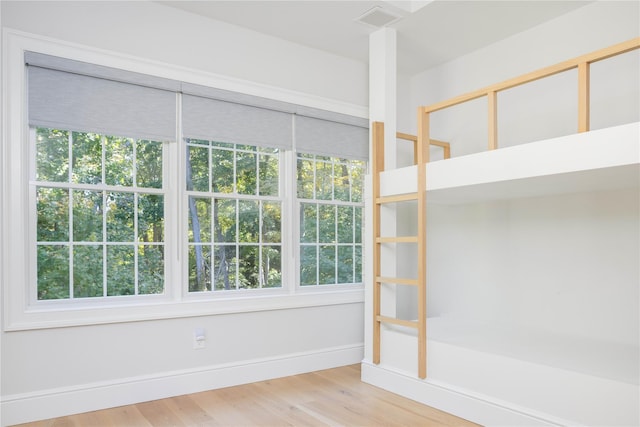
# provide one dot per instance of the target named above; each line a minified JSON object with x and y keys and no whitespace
{"x":334,"y":397}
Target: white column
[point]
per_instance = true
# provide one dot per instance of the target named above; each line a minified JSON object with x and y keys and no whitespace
{"x":382,"y":108}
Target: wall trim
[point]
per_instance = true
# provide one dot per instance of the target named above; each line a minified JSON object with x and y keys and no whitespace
{"x":463,"y":403}
{"x":57,"y":402}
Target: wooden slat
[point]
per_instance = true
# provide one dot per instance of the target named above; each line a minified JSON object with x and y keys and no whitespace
{"x":398,"y":239}
{"x":397,"y":280}
{"x":423,"y":158}
{"x":394,"y":321}
{"x":408,"y":137}
{"x":598,"y":55}
{"x":492,"y":98}
{"x":377,"y":161}
{"x":397,"y":198}
{"x":583,"y":97}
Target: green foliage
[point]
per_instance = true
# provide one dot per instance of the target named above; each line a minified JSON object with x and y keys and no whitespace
{"x":331,"y":220}
{"x":234,"y":242}
{"x":93,"y":260}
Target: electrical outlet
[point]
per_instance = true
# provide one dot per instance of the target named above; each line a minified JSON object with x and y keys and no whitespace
{"x":199,"y":339}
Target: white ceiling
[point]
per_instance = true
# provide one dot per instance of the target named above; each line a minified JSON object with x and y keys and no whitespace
{"x":436,"y":32}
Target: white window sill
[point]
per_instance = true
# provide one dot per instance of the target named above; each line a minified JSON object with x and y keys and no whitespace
{"x":89,"y":313}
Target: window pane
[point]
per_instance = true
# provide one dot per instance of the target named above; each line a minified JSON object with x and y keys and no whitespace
{"x":221,"y":144}
{"x":271,"y":267}
{"x":121,"y":272}
{"x":358,"y":264}
{"x":341,"y":182}
{"x":199,"y":220}
{"x":327,"y":261}
{"x":327,"y":223}
{"x":150,"y":218}
{"x":357,"y":180}
{"x":120,"y":217}
{"x":248,"y":221}
{"x":52,"y":155}
{"x":305,"y":179}
{"x":199,"y":268}
{"x":271,"y":222}
{"x":308,"y":265}
{"x":87,"y":271}
{"x":345,"y":264}
{"x":308,"y":223}
{"x":197,"y":168}
{"x":224,"y":273}
{"x":150,"y":269}
{"x":248,"y":263}
{"x":53,"y":272}
{"x":118,"y":163}
{"x":246,"y":173}
{"x":53,"y":214}
{"x":87,"y":158}
{"x":324,"y":181}
{"x":87,"y":216}
{"x":149,"y":164}
{"x":269,"y":175}
{"x":222,"y":171}
{"x":224,"y":218}
{"x":345,"y":224}
{"x":358,"y":224}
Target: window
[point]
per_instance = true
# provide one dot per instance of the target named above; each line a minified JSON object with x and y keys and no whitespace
{"x":330,"y":196}
{"x":100,"y":213}
{"x":235,"y":214}
{"x":130,"y":196}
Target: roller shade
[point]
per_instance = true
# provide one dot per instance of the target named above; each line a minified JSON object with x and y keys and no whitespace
{"x":329,"y":138}
{"x":223,"y":121}
{"x":67,"y":100}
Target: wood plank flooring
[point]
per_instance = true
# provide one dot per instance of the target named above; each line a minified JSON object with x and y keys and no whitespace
{"x":334,"y":397}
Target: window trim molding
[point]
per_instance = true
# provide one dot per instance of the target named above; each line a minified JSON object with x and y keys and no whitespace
{"x":15,"y":215}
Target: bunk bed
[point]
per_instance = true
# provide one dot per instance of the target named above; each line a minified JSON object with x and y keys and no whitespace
{"x":498,"y":374}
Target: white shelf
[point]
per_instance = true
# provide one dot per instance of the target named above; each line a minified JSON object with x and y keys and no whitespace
{"x":604,"y":159}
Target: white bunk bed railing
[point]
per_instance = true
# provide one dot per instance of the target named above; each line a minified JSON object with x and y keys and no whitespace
{"x":422,"y":143}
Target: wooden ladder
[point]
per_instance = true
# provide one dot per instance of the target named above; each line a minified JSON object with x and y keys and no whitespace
{"x":421,"y":157}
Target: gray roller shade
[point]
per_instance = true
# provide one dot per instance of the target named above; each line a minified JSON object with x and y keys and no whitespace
{"x":222,"y":121}
{"x":329,"y":138}
{"x":66,"y":100}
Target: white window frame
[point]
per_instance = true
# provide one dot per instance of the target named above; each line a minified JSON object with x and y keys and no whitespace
{"x":16,"y":250}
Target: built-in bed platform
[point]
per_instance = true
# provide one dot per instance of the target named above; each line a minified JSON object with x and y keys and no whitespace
{"x":498,"y":375}
{"x":603,"y":159}
{"x":505,"y":376}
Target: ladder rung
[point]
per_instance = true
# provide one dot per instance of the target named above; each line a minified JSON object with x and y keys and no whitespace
{"x":398,"y":198}
{"x":398,"y":239}
{"x":397,"y":280}
{"x":392,"y":320}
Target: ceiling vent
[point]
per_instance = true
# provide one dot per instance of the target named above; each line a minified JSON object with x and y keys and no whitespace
{"x":377,"y":17}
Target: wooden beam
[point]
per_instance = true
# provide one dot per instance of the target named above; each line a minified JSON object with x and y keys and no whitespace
{"x":423,"y":158}
{"x":492,"y":97}
{"x":397,"y":281}
{"x":398,"y":198}
{"x":583,"y":97}
{"x":400,"y":322}
{"x":598,"y":55}
{"x":377,"y":160}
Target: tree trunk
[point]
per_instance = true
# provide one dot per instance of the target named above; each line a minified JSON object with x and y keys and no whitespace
{"x":195,"y":225}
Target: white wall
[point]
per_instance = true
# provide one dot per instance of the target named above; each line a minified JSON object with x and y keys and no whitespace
{"x":564,"y":264}
{"x":40,"y":366}
{"x":546,"y":108}
{"x":149,"y":30}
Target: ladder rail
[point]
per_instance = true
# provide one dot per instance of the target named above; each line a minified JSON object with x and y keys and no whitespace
{"x":421,"y":157}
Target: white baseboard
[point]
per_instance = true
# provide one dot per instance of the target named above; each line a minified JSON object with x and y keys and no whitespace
{"x":52,"y":403}
{"x":464,"y":404}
